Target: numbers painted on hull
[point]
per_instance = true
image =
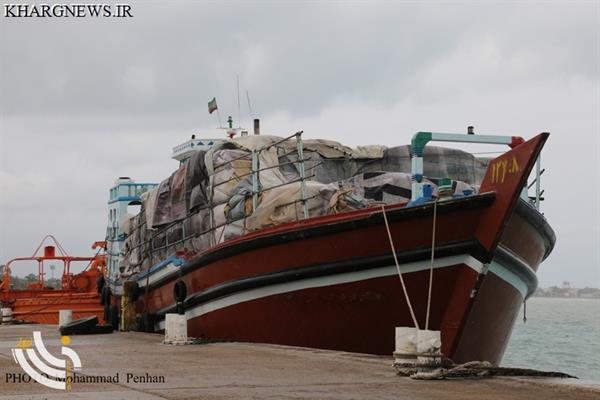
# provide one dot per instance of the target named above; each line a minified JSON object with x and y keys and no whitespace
{"x":501,"y":168}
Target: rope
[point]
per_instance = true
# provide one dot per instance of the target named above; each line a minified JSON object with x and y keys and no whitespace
{"x":91,"y":261}
{"x":431,"y":264}
{"x":475,"y":369}
{"x":387,"y":227}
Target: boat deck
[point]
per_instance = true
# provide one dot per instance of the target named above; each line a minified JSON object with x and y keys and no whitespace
{"x":250,"y":371}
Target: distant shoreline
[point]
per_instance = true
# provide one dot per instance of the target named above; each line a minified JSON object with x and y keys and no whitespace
{"x":564,"y":298}
{"x":567,"y":292}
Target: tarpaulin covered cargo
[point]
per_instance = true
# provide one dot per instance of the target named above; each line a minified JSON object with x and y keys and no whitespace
{"x":216,"y":195}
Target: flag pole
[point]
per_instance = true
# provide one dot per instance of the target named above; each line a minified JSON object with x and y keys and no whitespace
{"x":219,"y":116}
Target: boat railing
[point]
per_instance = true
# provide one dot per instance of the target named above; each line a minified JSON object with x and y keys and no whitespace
{"x":148,"y":247}
{"x":537,"y":198}
{"x":420,"y":140}
{"x":48,"y":253}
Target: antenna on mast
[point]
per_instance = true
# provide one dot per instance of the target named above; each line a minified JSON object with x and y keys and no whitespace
{"x":249,"y":105}
{"x":219,"y":116}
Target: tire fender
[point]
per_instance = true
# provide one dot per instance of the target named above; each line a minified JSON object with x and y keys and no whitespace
{"x":179,"y":291}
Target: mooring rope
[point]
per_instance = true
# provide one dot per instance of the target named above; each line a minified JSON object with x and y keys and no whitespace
{"x":475,"y":369}
{"x":431,"y":264}
{"x":387,"y":227}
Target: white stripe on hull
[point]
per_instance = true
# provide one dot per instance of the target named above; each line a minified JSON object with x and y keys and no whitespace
{"x":494,"y":267}
{"x":331,"y":280}
{"x":509,"y":277}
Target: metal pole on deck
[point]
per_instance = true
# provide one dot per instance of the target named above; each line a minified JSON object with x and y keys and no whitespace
{"x":302,"y":173}
{"x":538,"y":186}
{"x":254,"y":180}
{"x":211,"y":211}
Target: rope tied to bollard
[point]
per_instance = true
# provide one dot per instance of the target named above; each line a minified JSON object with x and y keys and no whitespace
{"x":389,"y":233}
{"x":431,"y":263}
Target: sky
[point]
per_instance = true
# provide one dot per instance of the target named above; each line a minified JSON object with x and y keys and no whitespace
{"x":83,"y":101}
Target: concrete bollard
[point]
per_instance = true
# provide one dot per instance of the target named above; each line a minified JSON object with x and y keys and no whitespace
{"x":429,"y":346}
{"x":175,"y":329}
{"x":64,"y":317}
{"x":6,"y":315}
{"x":406,"y":345}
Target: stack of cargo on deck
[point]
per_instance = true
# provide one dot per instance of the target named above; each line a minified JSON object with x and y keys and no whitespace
{"x":208,"y":200}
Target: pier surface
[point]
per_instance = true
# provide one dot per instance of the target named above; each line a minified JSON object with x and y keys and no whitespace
{"x":248,"y":371}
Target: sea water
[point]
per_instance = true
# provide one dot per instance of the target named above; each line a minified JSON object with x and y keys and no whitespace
{"x":559,"y":335}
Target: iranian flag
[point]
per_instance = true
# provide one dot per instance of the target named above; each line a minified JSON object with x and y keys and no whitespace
{"x":212,"y":105}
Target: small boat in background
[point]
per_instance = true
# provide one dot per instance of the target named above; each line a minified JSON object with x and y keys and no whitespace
{"x":39,"y":302}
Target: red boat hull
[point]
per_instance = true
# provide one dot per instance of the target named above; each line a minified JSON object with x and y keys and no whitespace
{"x":354,"y":304}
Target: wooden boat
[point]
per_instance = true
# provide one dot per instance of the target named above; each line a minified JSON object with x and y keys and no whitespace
{"x":334,"y":281}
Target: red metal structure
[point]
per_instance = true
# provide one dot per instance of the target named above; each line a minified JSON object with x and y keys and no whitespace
{"x":41,"y":303}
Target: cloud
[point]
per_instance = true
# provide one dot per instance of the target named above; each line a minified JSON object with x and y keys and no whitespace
{"x":171,"y":58}
{"x":85,"y":101}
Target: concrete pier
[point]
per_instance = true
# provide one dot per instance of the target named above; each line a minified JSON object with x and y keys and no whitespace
{"x":148,"y":369}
